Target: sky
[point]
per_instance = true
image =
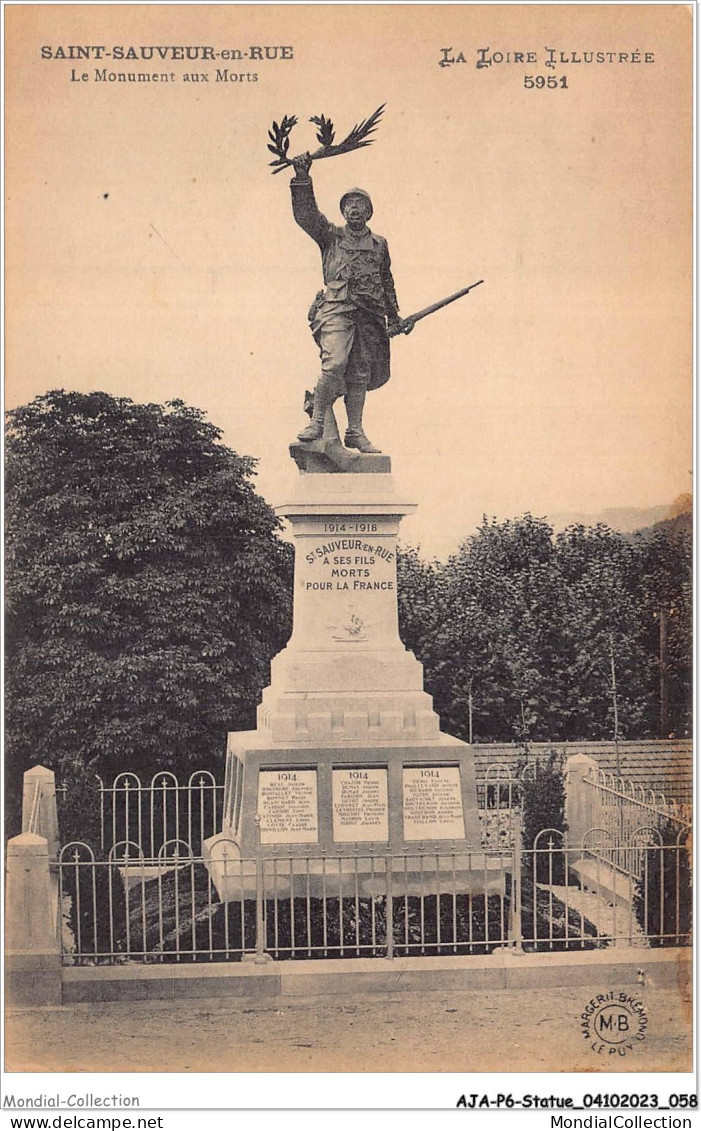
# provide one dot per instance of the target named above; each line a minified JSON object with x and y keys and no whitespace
{"x":151,"y":254}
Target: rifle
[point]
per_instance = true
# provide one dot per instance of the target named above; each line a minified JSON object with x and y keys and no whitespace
{"x":407,"y":324}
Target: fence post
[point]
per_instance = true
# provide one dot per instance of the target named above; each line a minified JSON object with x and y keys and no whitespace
{"x":33,"y":961}
{"x":577,"y":814}
{"x":389,"y":909}
{"x":261,"y":955}
{"x":39,"y":807}
{"x":516,"y":926}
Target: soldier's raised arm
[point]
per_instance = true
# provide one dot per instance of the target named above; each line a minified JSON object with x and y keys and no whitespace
{"x":304,"y":207}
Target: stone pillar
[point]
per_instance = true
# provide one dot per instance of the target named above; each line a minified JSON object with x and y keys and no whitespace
{"x":40,"y":789}
{"x":32,"y":964}
{"x":345,"y":674}
{"x":577,"y":796}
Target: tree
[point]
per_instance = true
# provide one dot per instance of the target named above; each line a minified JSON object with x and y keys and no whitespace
{"x":147,"y":586}
{"x":610,"y":665}
{"x":502,"y":615}
{"x":487,"y":626}
{"x":525,"y":636}
{"x":424,"y":622}
{"x":666,"y":599}
{"x":417,"y":598}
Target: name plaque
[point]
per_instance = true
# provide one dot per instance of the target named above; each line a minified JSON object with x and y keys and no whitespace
{"x":359,"y":805}
{"x":432,"y":803}
{"x":287,"y":806}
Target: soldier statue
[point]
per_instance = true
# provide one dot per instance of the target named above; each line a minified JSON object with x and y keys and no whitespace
{"x":353,"y":318}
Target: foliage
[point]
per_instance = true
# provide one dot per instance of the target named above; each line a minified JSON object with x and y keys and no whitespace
{"x":78,"y":804}
{"x":527,"y":636}
{"x":542,"y":796}
{"x":544,"y":917}
{"x":513,"y":570}
{"x":663,"y":900}
{"x":543,"y":807}
{"x":147,"y":587}
{"x":608,"y":662}
{"x":666,"y":597}
{"x":422,"y":621}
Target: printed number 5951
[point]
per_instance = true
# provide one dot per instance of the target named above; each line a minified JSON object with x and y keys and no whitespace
{"x":540,"y":81}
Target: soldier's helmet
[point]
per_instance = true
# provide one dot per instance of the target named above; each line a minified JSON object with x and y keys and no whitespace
{"x":356,"y":192}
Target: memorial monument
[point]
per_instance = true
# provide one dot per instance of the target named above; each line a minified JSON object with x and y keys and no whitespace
{"x":348,"y":757}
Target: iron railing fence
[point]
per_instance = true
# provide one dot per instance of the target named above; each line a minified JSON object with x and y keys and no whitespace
{"x":151,"y":813}
{"x":635,"y":797}
{"x":631,"y":815}
{"x":499,"y":801}
{"x":154,"y":812}
{"x":638,"y":892}
{"x":167,"y":909}
{"x":554,"y":896}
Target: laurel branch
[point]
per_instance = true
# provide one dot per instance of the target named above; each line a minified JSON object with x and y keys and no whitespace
{"x":358,"y":137}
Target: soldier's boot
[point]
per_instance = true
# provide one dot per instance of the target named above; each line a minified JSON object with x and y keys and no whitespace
{"x":355,"y":436}
{"x":324,"y":396}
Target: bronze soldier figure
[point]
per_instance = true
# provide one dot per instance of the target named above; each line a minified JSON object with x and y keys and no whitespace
{"x":353,"y":318}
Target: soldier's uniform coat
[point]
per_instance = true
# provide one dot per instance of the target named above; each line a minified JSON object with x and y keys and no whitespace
{"x":349,"y":317}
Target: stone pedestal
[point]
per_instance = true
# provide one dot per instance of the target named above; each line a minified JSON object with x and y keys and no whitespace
{"x":578,"y":796}
{"x":348,"y":757}
{"x":32,"y":955}
{"x":345,"y":674}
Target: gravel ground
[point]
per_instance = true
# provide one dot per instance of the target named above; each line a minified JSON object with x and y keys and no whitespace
{"x":467,"y":1031}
